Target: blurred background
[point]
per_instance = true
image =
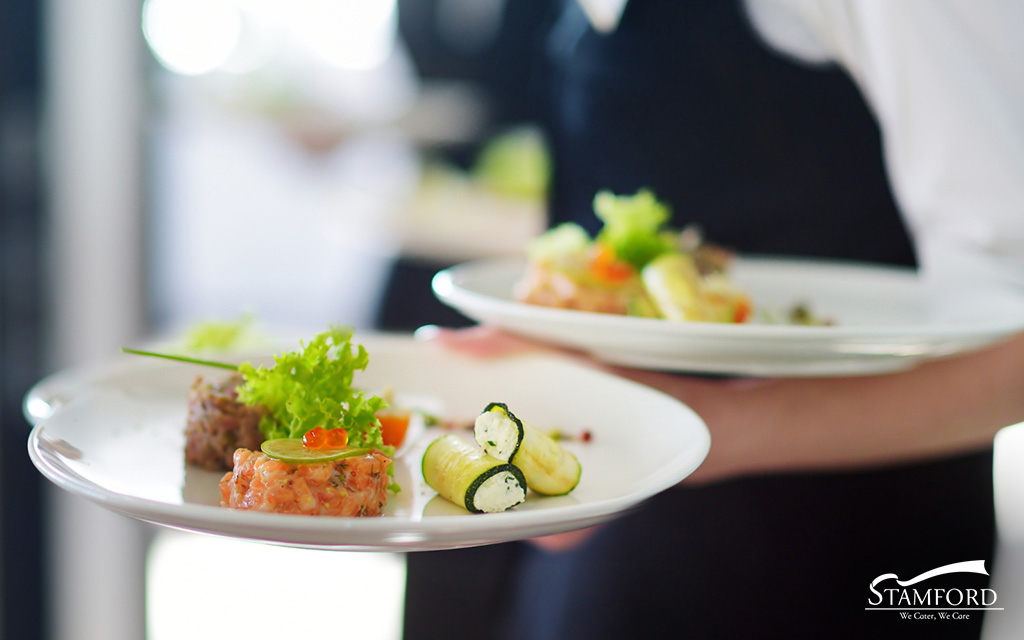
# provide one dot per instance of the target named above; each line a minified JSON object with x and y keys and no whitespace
{"x":167,"y":162}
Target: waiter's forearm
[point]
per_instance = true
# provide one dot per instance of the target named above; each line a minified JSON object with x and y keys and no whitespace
{"x":936,"y":409}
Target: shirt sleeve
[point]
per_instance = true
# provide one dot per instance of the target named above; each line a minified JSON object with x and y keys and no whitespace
{"x":945,"y":79}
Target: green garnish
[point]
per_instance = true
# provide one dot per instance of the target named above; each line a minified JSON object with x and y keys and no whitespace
{"x":217,"y":335}
{"x":429,"y":419}
{"x":312,"y":387}
{"x":180,"y":358}
{"x":633,"y":226}
{"x":564,"y":242}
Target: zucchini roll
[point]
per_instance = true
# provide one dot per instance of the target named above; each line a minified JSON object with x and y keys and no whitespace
{"x":548,"y":467}
{"x":471,"y":478}
{"x":674,"y":285}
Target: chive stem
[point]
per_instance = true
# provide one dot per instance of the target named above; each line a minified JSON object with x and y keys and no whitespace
{"x":170,"y":356}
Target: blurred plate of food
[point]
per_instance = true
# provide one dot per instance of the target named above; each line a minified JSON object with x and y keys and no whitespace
{"x":640,"y":293}
{"x":808,"y":317}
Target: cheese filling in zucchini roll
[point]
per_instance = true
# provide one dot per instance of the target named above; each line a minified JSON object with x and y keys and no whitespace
{"x":469,"y":477}
{"x":548,"y":467}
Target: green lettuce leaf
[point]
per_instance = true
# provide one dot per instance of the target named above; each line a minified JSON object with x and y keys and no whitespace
{"x":217,"y":335}
{"x":566,"y":242}
{"x":312,"y":387}
{"x":633,"y":226}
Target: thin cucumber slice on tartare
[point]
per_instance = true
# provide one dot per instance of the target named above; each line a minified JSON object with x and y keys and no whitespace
{"x":548,"y":467}
{"x":471,"y":478}
{"x":292,"y":451}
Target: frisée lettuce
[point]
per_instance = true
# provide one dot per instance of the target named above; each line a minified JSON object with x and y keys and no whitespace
{"x":312,"y":387}
{"x":633,"y":226}
{"x":567,"y":241}
{"x":218,"y":335}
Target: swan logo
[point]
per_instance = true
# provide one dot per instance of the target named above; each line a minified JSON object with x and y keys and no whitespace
{"x":889,"y":593}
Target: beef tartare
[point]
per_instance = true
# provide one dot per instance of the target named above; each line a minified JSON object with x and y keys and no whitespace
{"x":218,"y":423}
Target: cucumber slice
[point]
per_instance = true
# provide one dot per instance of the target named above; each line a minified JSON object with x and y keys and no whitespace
{"x":471,"y":478}
{"x":548,"y":467}
{"x":291,"y":451}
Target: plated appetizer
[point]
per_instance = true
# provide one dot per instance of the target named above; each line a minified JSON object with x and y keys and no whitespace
{"x":634,"y":266}
{"x":637,"y":266}
{"x":297,"y":436}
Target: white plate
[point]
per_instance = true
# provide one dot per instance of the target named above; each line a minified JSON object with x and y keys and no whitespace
{"x":115,"y":435}
{"x":883,"y":321}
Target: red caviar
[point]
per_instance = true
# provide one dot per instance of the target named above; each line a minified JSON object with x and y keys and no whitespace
{"x":320,"y":438}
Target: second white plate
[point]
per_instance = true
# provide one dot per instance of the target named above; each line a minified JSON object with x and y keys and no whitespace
{"x":882,"y":313}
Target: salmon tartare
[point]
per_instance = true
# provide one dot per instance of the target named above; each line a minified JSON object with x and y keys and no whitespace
{"x":355,"y":486}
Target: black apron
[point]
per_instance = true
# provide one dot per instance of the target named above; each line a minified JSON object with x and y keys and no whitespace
{"x":767,"y":156}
